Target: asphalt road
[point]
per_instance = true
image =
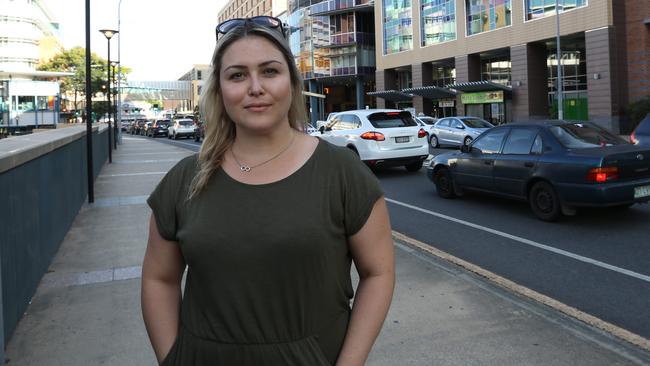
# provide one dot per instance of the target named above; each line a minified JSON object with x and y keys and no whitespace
{"x":597,"y":261}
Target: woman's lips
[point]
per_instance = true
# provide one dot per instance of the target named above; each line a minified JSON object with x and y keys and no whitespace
{"x":258,"y":107}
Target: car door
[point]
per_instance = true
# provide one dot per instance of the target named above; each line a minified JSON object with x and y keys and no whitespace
{"x":517,"y":161}
{"x":442,"y":130}
{"x":456,"y":132}
{"x":473,"y":169}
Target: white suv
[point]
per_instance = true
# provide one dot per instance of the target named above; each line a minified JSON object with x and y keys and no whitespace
{"x":381,"y":137}
{"x":183,"y":127}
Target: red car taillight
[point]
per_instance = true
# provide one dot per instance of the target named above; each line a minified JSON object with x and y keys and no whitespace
{"x":602,"y":175}
{"x":633,"y":138}
{"x":371,"y":135}
{"x":422,"y":133}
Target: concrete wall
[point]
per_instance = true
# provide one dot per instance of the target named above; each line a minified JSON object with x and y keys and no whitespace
{"x":43,"y":184}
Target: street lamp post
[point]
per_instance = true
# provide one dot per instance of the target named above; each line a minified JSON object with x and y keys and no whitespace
{"x":109,"y":33}
{"x":89,"y":109}
{"x":558,"y":56}
{"x":119,"y":72}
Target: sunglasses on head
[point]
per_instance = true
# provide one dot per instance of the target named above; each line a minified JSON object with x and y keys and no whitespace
{"x":261,"y":20}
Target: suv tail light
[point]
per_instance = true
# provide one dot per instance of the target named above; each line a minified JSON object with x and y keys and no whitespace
{"x":371,"y":135}
{"x":422,"y":133}
{"x":633,"y":139}
{"x":602,"y":175}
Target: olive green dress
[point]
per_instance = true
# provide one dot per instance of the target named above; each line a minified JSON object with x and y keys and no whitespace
{"x":268,"y":280}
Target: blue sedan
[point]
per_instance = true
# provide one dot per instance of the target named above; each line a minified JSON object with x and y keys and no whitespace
{"x":556,"y":166}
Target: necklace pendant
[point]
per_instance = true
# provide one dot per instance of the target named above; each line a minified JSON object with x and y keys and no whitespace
{"x":245,"y":168}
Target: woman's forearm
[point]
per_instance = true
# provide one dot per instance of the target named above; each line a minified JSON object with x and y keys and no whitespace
{"x":371,"y":303}
{"x":160,"y":310}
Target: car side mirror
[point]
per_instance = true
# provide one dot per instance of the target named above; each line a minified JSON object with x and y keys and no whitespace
{"x":461,"y":127}
{"x":321,"y":129}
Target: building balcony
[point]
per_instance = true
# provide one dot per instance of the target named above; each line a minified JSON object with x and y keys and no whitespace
{"x":332,"y":7}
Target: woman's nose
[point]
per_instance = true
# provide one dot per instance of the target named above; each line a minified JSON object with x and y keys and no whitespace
{"x":256,"y":88}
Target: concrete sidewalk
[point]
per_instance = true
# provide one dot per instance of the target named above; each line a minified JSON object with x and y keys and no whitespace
{"x":87,"y":308}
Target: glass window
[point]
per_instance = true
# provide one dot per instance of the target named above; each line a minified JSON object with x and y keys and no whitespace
{"x":541,"y":8}
{"x":347,"y":122}
{"x":583,"y":135}
{"x":476,"y":123}
{"x":486,"y":15}
{"x":438,"y":23}
{"x":497,"y":69}
{"x":519,"y":141}
{"x":490,"y":142}
{"x":391,"y":119}
{"x":398,"y":30}
{"x":538,"y":146}
{"x":457,"y":124}
{"x":443,"y":123}
{"x":26,"y":103}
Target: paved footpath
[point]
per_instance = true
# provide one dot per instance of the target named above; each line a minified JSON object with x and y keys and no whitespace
{"x":86,"y":310}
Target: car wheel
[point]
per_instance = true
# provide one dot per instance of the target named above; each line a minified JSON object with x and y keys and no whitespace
{"x":414,"y":167}
{"x":433,"y":141}
{"x":467,"y":141}
{"x":444,"y":183}
{"x":544,"y":202}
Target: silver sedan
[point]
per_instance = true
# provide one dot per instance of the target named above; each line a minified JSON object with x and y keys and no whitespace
{"x":457,"y":131}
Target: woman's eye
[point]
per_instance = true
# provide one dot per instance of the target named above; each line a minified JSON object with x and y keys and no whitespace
{"x":270,"y":71}
{"x":236,"y":76}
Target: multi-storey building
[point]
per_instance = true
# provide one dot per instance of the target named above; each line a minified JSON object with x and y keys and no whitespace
{"x":334,"y":48}
{"x":196,"y":76}
{"x":497,"y":58}
{"x":251,"y":8}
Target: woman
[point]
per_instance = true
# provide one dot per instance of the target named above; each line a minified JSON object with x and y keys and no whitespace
{"x":267,"y":220}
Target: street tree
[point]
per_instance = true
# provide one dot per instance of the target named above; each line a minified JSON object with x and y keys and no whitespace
{"x":74,"y":60}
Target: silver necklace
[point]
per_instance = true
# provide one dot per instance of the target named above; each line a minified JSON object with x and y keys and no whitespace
{"x":247,"y":168}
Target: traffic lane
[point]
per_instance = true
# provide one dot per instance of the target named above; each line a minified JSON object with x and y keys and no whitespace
{"x":617,"y":237}
{"x":189,"y":144}
{"x":614,"y":297}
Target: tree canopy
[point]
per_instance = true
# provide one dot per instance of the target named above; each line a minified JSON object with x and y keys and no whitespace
{"x":74,"y":60}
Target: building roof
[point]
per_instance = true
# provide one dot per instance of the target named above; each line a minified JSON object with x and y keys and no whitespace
{"x":391,"y":95}
{"x":431,"y":92}
{"x":32,"y":74}
{"x":476,"y":86}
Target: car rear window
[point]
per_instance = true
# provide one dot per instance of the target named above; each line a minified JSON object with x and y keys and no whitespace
{"x":391,"y":119}
{"x":476,"y":123}
{"x":185,"y":123}
{"x":583,"y":135}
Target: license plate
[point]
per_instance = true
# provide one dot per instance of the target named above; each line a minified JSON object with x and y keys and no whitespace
{"x":402,"y":139}
{"x":642,"y":191}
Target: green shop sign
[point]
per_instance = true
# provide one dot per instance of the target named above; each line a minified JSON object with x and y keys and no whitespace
{"x":482,"y":97}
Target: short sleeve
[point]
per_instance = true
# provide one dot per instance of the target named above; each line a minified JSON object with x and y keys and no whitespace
{"x":361,"y":192}
{"x":165,"y":198}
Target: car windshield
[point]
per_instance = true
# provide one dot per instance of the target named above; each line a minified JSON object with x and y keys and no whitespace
{"x":476,"y":123}
{"x":644,"y":126}
{"x":582,"y":136}
{"x":391,"y":119}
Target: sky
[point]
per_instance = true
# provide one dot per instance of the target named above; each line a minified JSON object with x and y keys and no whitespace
{"x":160,"y":39}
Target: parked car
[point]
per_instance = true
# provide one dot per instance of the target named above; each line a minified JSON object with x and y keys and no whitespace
{"x":181,"y":128}
{"x":137,"y":126}
{"x":457,"y":131}
{"x":427,"y":120}
{"x":381,"y":137}
{"x":556,"y":166}
{"x":144,"y":131}
{"x":159,"y":127}
{"x":641,"y":134}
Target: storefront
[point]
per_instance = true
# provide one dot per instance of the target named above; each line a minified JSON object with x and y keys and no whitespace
{"x":486,"y":99}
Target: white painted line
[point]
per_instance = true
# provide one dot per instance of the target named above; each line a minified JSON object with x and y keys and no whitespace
{"x":129,"y":174}
{"x":577,"y":257}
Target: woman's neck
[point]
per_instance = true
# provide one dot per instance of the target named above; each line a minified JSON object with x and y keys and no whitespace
{"x":251,"y":146}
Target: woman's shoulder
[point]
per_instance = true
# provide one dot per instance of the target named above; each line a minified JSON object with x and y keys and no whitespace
{"x":339,"y":154}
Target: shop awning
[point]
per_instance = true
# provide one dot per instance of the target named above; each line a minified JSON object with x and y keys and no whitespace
{"x":392,"y":95}
{"x":478,"y":86}
{"x":431,"y":92}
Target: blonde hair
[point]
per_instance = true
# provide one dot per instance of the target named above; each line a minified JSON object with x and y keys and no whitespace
{"x":219,"y":127}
